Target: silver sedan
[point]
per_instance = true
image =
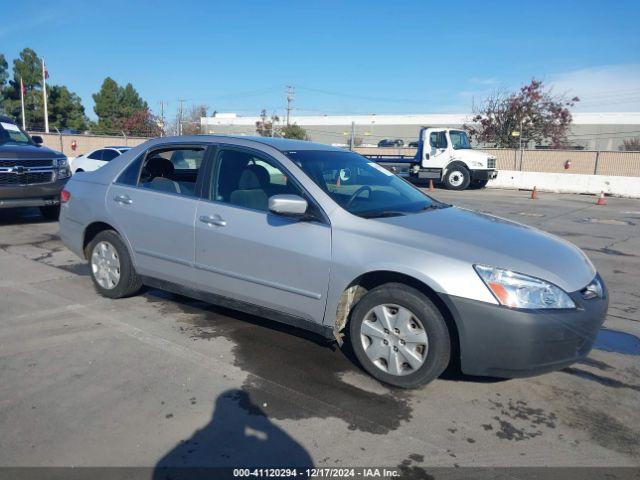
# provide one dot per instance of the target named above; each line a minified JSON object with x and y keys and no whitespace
{"x":328,"y":241}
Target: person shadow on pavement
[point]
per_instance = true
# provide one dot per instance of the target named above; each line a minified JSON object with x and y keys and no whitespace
{"x":239,"y":435}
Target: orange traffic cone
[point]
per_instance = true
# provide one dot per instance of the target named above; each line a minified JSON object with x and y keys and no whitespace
{"x":534,"y":193}
{"x":600,"y":199}
{"x":431,"y":189}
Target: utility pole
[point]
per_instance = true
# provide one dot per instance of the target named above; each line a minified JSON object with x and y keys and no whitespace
{"x":290,"y":96}
{"x":181,"y":100}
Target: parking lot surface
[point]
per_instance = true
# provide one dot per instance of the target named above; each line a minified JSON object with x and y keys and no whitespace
{"x":159,"y":379}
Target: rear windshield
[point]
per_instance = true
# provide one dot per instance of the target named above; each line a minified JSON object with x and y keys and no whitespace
{"x":11,"y":134}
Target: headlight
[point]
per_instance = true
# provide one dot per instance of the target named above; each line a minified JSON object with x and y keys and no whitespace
{"x":593,"y":290}
{"x":516,"y":290}
{"x":63,"y":167}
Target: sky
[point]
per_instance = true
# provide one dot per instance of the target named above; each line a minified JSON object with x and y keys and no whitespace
{"x":342,"y":57}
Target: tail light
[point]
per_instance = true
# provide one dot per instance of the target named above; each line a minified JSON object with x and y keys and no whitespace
{"x":65,"y":196}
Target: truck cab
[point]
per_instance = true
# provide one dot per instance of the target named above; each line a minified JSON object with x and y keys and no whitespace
{"x":445,"y":154}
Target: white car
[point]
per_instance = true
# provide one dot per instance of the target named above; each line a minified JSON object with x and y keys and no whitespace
{"x":95,"y":159}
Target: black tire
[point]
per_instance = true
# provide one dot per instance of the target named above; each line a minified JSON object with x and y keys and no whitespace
{"x":457,"y":177}
{"x":422,"y":308}
{"x":50,"y":212}
{"x":478,"y":184}
{"x":129,"y":282}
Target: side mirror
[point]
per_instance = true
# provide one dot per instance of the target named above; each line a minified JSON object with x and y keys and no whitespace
{"x":288,"y":205}
{"x":37,"y":139}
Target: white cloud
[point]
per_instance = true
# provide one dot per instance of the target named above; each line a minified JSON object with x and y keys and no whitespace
{"x":609,"y":88}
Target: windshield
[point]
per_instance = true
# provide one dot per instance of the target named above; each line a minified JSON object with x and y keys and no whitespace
{"x":360,"y":186}
{"x":11,"y":134}
{"x":459,"y":139}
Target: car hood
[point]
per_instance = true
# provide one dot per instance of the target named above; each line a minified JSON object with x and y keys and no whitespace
{"x":478,"y":238}
{"x":17,"y":152}
{"x":467,"y":154}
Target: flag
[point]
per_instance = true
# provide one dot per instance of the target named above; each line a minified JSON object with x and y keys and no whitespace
{"x":46,"y":72}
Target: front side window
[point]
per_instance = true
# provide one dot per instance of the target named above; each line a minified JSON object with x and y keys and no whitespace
{"x":459,"y":139}
{"x":360,"y":186}
{"x":11,"y":134}
{"x":172,"y":170}
{"x":246,"y":180}
{"x":438,"y":140}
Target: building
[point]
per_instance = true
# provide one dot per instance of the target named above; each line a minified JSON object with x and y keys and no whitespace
{"x":591,"y":131}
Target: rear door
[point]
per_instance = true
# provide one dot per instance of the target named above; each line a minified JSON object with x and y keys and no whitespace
{"x":246,"y":253}
{"x":154,"y":203}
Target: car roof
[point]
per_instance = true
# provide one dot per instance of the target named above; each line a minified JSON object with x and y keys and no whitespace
{"x":282,"y":144}
{"x":4,"y":118}
{"x":118,"y":147}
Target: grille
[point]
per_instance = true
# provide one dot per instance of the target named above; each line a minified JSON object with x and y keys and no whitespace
{"x":34,"y":162}
{"x":25,"y":178}
{"x":491,"y":163}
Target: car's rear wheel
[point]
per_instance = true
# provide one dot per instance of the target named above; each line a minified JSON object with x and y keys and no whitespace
{"x":399,"y":336}
{"x":110,"y":266}
{"x":50,"y":212}
{"x":457,"y":178}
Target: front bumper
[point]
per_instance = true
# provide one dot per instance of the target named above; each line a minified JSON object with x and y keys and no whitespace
{"x":503,"y":342}
{"x":483,"y":174}
{"x":31,"y":195}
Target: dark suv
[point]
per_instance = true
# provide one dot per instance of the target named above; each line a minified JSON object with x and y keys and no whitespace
{"x":31,"y":175}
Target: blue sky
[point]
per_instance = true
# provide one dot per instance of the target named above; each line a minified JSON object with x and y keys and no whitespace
{"x":342,"y":56}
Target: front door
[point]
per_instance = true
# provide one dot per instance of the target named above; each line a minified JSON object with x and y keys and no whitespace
{"x":437,"y":149}
{"x":246,"y":253}
{"x":155,"y":210}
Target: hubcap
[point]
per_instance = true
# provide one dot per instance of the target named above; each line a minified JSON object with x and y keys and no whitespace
{"x":456,"y":178}
{"x":105,"y":265}
{"x":394,"y":339}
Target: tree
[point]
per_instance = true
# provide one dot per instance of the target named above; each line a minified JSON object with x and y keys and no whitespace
{"x":4,"y":76}
{"x":107,"y":107}
{"x":294,"y":131}
{"x":27,"y":67}
{"x":65,"y":109}
{"x":142,"y":123}
{"x":631,"y":144}
{"x":264,"y":126}
{"x":122,"y":108}
{"x":533,"y":111}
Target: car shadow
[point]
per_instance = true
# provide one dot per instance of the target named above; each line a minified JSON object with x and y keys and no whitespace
{"x":20,"y":216}
{"x":238,"y":435}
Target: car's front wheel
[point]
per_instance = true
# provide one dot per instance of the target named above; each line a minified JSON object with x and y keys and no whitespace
{"x":399,"y":336}
{"x":111,"y":267}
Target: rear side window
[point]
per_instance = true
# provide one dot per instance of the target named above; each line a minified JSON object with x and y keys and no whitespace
{"x":172,"y":170}
{"x":108,"y":155}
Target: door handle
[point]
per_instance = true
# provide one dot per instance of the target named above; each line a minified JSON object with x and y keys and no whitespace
{"x":123,"y":199}
{"x":213,"y":220}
